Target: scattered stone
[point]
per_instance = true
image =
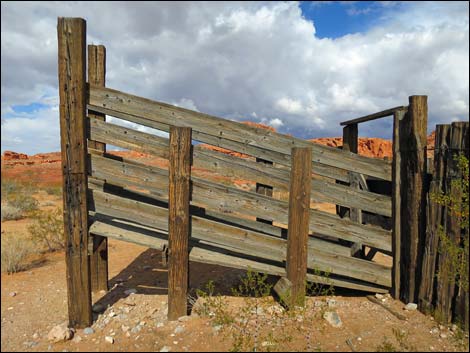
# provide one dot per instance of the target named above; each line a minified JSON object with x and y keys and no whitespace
{"x":454,"y":328}
{"x":266,"y":343}
{"x":10,"y":308}
{"x":379,"y":296}
{"x":59,"y":333}
{"x":318,"y":303}
{"x":130,"y":291}
{"x":359,"y":339}
{"x":146,"y":267}
{"x":175,"y":342}
{"x":142,"y":323}
{"x":216,"y":328}
{"x":275,"y":309}
{"x":136,"y":329}
{"x":112,"y":314}
{"x":179,"y":329}
{"x":77,"y":339}
{"x":434,"y":331}
{"x":160,"y":324}
{"x":88,"y":331}
{"x":331,"y":302}
{"x":333,"y":319}
{"x":411,"y":306}
{"x":184,"y":318}
{"x":124,"y":328}
{"x":165,"y":349}
{"x":109,"y":339}
{"x":35,"y":335}
{"x":443,"y":335}
{"x":442,"y":327}
{"x":98,"y":308}
{"x":12,"y":294}
{"x":128,"y":334}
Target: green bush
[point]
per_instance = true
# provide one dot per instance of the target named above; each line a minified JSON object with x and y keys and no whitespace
{"x":48,"y":229}
{"x":14,"y":253}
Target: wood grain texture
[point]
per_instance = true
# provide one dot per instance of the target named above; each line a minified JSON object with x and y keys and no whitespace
{"x":178,"y":220}
{"x":374,"y":116}
{"x":72,"y":93}
{"x":99,"y":255}
{"x":257,"y":142}
{"x":298,"y":226}
{"x":413,"y":133}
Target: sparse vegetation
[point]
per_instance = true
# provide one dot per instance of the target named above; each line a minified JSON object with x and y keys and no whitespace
{"x":17,"y":200}
{"x":14,"y":253}
{"x":259,"y":324}
{"x":48,"y":229}
{"x":10,"y":213}
{"x":402,"y":338}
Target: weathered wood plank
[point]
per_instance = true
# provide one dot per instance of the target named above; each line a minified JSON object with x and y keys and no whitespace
{"x":322,"y":190}
{"x":72,"y":92}
{"x":239,"y":240}
{"x":178,"y":220}
{"x":230,"y":134}
{"x":298,"y":223}
{"x":434,"y":218}
{"x":99,"y":254}
{"x":264,"y":189}
{"x":396,"y":203}
{"x":413,"y":129}
{"x":225,"y":199}
{"x":374,"y":116}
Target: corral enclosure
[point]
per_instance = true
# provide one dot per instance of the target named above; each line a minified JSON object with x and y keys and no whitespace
{"x":193,"y":219}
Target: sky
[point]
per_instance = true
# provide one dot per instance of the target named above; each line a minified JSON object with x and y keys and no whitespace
{"x":301,"y":67}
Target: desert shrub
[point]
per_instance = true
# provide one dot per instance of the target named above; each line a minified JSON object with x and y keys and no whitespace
{"x":10,"y":213}
{"x":54,"y":190}
{"x":47,"y":229}
{"x":24,"y":202}
{"x":14,"y":253}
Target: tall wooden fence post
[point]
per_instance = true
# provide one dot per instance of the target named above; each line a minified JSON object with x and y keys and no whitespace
{"x":178,"y":220}
{"x":298,"y":222}
{"x":396,"y":203}
{"x":72,"y":92}
{"x":413,"y":129}
{"x":99,"y":255}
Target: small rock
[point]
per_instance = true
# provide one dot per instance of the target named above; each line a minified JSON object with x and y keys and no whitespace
{"x":77,"y":339}
{"x":146,"y":267}
{"x":35,"y":335}
{"x":179,"y":329}
{"x":184,"y":318}
{"x":130,"y":291}
{"x":379,"y":296}
{"x":160,"y":324}
{"x":12,"y":294}
{"x":411,"y":306}
{"x":266,"y":343}
{"x":434,"y":331}
{"x":88,"y":331}
{"x":443,"y":335}
{"x":442,"y":327}
{"x":136,"y":329}
{"x":333,"y":319}
{"x":60,"y":333}
{"x":275,"y":309}
{"x":109,"y":339}
{"x":217,"y":328}
{"x":112,"y":314}
{"x":318,"y":303}
{"x":165,"y":349}
{"x":331,"y":302}
{"x":98,"y":308}
{"x":124,"y":328}
{"x":359,"y":339}
{"x":175,"y":342}
{"x":128,"y":334}
{"x":454,"y":328}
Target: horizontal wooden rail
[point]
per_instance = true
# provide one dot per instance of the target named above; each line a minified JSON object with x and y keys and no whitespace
{"x":238,"y":240}
{"x":374,"y":116}
{"x":157,"y":239}
{"x":226,"y":199}
{"x":322,"y":190}
{"x":236,"y":136}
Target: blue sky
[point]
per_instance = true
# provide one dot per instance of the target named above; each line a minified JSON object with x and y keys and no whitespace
{"x":299,"y":67}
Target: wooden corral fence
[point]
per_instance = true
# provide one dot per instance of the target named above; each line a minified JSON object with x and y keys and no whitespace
{"x":199,"y":220}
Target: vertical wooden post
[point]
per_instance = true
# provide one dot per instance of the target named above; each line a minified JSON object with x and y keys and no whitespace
{"x":396,"y":203}
{"x":72,"y":92}
{"x":413,"y":194}
{"x":434,"y":218}
{"x":264,"y":189}
{"x":350,"y":143}
{"x":99,"y":255}
{"x":299,"y":211}
{"x":447,"y":272}
{"x":178,"y":220}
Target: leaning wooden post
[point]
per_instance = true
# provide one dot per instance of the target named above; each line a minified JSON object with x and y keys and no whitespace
{"x":413,"y":194}
{"x":350,"y":143}
{"x":298,"y":226}
{"x":99,"y":255}
{"x":72,"y":92}
{"x":178,"y":220}
{"x":398,"y":116}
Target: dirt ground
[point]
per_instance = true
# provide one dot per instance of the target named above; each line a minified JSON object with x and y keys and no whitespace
{"x":35,"y":300}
